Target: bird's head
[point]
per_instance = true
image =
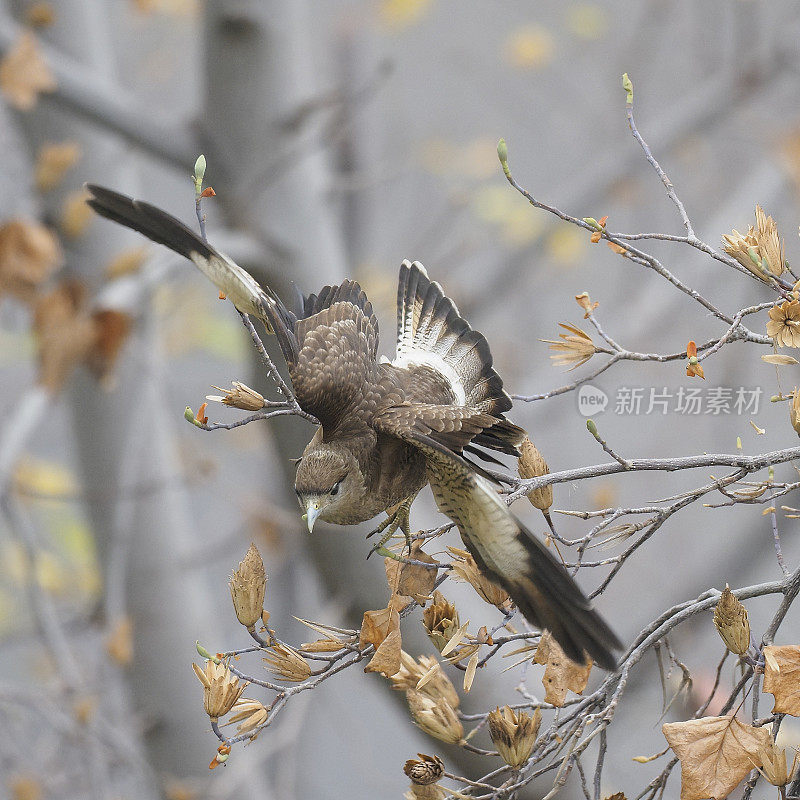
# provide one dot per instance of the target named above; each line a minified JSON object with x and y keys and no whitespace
{"x":325,"y":481}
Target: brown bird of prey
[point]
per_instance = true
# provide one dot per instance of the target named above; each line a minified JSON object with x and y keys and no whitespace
{"x":388,"y":428}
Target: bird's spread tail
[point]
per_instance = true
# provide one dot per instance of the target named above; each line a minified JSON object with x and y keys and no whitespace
{"x":431,"y":332}
{"x":237,"y":284}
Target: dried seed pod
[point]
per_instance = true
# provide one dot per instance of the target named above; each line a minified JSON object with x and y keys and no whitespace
{"x":783,"y":324}
{"x":436,"y":717}
{"x":431,"y":791}
{"x":412,"y":671}
{"x":248,"y":584}
{"x":425,"y":770}
{"x":573,"y":348}
{"x":221,"y":688}
{"x":532,"y":465}
{"x":249,"y":714}
{"x":774,"y":766}
{"x":441,"y":620}
{"x":239,"y":396}
{"x":770,"y":244}
{"x":287,"y":662}
{"x":730,"y":619}
{"x":514,"y":734}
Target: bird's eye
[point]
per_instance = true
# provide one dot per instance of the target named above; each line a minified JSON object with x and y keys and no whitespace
{"x":335,"y":488}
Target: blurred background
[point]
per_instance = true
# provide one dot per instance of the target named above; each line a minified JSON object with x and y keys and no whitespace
{"x":343,"y":136}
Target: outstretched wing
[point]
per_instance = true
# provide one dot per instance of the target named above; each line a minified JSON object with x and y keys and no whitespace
{"x":238,"y":284}
{"x":510,"y":554}
{"x":432,"y":333}
{"x":330,"y":347}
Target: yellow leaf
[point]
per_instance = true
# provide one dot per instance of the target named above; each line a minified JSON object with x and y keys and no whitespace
{"x":398,"y":14}
{"x":782,"y":678}
{"x":587,"y":21}
{"x":715,"y":754}
{"x":566,"y":244}
{"x":530,"y":47}
{"x":44,"y":478}
{"x":24,"y":73}
{"x":119,"y":644}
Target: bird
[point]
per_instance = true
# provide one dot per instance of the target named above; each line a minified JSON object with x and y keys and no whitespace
{"x":389,"y":428}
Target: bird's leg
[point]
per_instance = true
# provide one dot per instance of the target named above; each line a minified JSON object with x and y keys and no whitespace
{"x":400,"y":518}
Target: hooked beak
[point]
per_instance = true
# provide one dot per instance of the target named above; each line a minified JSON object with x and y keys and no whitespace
{"x":312,"y":512}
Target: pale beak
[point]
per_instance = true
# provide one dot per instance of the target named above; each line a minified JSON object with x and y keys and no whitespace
{"x":312,"y":512}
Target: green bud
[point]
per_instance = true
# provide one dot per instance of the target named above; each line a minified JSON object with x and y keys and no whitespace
{"x":627,"y":85}
{"x":738,"y":442}
{"x":502,"y":154}
{"x":693,"y":360}
{"x":200,"y":168}
{"x":223,"y":757}
{"x":593,"y":222}
{"x":199,"y":174}
{"x":189,"y":416}
{"x":592,"y":428}
{"x":205,"y":654}
{"x":751,"y":251}
{"x":502,"y":151}
{"x":776,"y":398}
{"x":771,"y":474}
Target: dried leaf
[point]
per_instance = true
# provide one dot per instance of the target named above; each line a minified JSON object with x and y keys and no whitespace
{"x":111,"y":332}
{"x":387,"y":657}
{"x":397,"y":601}
{"x":382,"y":630}
{"x":126,"y":262}
{"x":40,"y":14}
{"x":417,"y":581}
{"x":469,"y":675}
{"x":561,"y":674}
{"x":25,"y":787}
{"x":53,"y":161}
{"x":376,"y":625}
{"x":24,"y":73}
{"x":715,"y":754}
{"x":780,"y":359}
{"x":75,"y":214}
{"x":119,"y":644}
{"x":585,"y":302}
{"x":782,"y":678}
{"x":29,"y":254}
{"x":322,"y":646}
{"x":455,"y":639}
{"x":65,"y":333}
